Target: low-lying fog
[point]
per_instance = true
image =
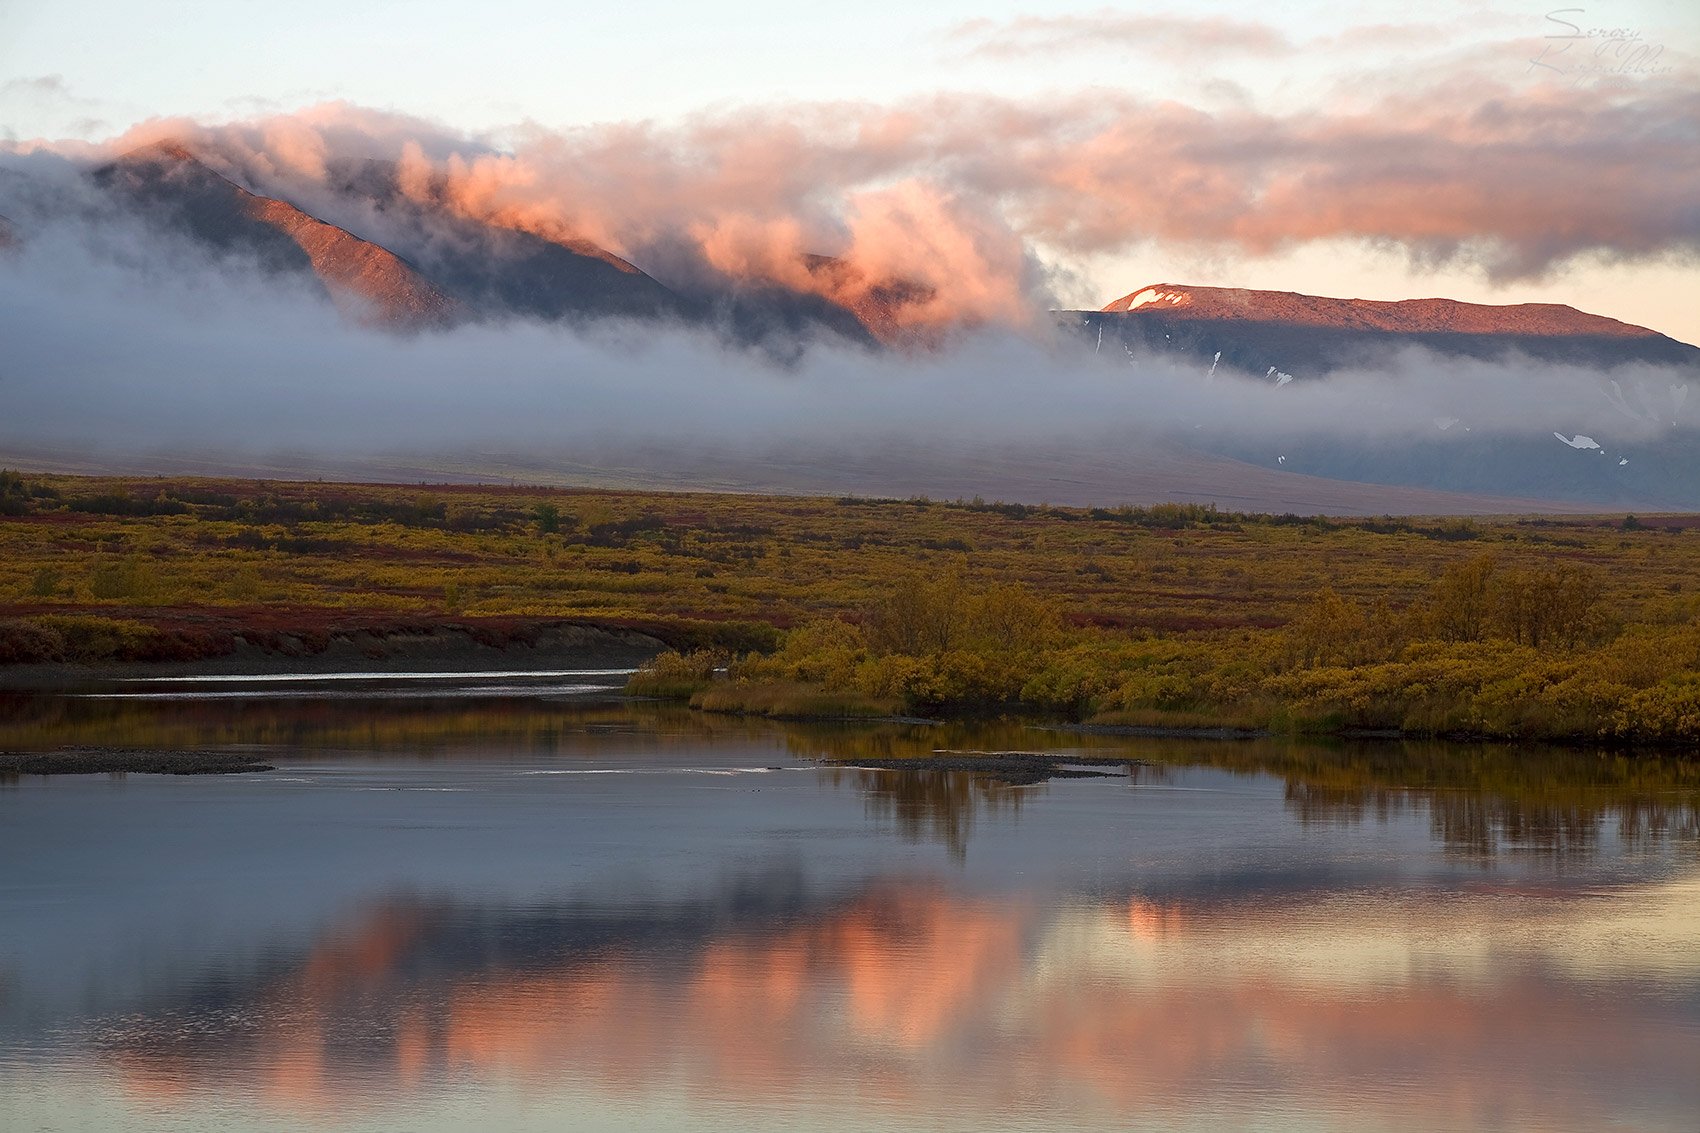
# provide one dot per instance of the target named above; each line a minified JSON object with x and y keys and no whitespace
{"x":128,"y":350}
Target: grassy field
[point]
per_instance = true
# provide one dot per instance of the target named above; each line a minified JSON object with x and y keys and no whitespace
{"x":1166,"y":615}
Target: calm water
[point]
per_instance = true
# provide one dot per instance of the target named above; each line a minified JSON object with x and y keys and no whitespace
{"x":528,"y":909}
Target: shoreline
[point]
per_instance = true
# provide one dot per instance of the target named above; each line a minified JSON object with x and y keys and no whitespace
{"x":126,"y":761}
{"x":455,"y":655}
{"x":1011,"y":768}
{"x":1225,"y":732}
{"x":311,"y":675}
{"x":446,"y":649}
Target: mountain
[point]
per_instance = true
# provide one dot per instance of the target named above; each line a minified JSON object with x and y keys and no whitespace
{"x":782,"y":320}
{"x":8,"y":234}
{"x":1407,"y":316}
{"x":408,"y":258}
{"x":168,"y":182}
{"x":496,"y":271}
{"x":418,"y":262}
{"x":1643,"y":460}
{"x":1312,"y":336}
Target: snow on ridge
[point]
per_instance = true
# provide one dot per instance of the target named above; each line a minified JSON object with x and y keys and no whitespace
{"x":1159,"y":293}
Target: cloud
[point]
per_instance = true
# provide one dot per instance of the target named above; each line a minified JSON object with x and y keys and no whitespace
{"x":981,"y":201}
{"x":1206,"y":40}
{"x":1167,"y":35}
{"x":975,"y":1006}
{"x":43,"y":89}
{"x":40,"y":86}
{"x":37,"y":93}
{"x":121,"y":340}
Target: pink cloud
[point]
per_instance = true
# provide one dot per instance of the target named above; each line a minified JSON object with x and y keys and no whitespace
{"x":967,"y":196}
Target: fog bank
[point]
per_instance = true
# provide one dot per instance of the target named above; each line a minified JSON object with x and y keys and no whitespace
{"x":122,"y":343}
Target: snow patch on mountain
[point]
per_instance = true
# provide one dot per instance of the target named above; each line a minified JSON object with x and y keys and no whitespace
{"x":1162,"y":295}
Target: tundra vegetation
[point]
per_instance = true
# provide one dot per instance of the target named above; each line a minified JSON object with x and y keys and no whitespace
{"x":1578,"y":629}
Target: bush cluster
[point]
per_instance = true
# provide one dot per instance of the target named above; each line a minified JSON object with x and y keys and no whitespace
{"x":1487,"y":651}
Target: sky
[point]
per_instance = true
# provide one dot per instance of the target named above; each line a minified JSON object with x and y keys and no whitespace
{"x":1575,"y":79}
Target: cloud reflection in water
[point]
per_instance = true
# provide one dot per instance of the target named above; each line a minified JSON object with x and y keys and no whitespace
{"x":1410,"y":1011}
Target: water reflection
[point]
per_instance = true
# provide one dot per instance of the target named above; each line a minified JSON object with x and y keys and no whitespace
{"x":1478,"y":825}
{"x":938,"y":806}
{"x":1373,"y":1010}
{"x":1480,"y":799}
{"x":468,"y":721}
{"x":422,"y":916}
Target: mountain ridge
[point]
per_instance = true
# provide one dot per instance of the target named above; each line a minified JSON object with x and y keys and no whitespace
{"x":1410,"y":316}
{"x":1310,"y":336}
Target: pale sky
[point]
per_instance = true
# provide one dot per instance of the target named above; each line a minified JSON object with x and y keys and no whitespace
{"x":76,"y":69}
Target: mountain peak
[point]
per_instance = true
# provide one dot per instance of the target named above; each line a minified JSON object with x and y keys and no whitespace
{"x":165,"y":147}
{"x":1407,"y":316}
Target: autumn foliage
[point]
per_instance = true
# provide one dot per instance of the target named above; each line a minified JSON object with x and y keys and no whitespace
{"x":1172,"y":615}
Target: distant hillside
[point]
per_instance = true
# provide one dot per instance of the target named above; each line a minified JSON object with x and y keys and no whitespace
{"x":1311,"y":336}
{"x":1284,"y":336}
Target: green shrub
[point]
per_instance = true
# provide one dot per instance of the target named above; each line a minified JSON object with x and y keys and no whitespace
{"x":676,"y":676}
